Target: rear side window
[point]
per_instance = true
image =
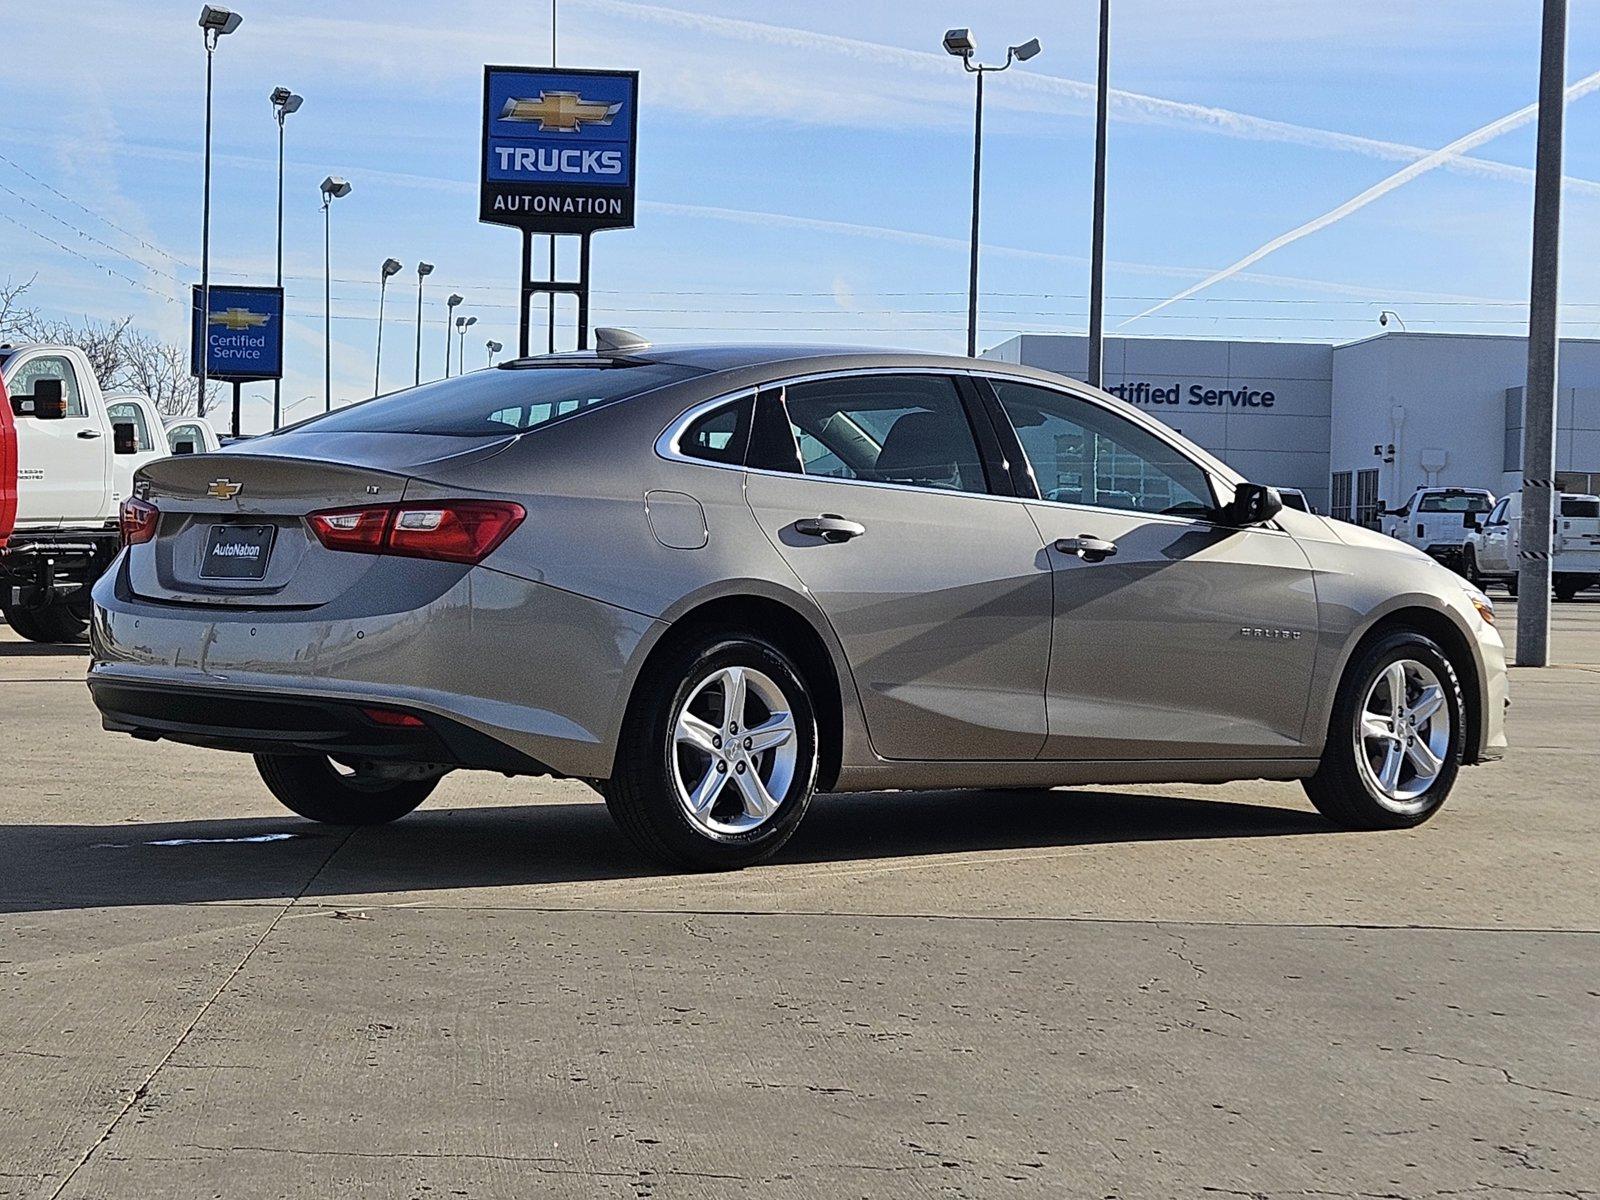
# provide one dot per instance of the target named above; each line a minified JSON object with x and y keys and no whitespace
{"x":719,"y":435}
{"x":906,"y":429}
{"x":500,"y":401}
{"x":131,"y":414}
{"x":1580,"y":506}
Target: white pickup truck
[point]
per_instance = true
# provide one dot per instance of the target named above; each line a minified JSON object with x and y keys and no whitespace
{"x":67,"y":458}
{"x":1436,"y":520}
{"x":1491,"y":550}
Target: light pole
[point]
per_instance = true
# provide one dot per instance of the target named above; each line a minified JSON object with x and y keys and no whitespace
{"x":423,"y":271}
{"x":1097,"y":251}
{"x":959,"y":43}
{"x":284,"y":102}
{"x":449,"y":312}
{"x":214,"y":22}
{"x":332,"y":189}
{"x":494,"y":348}
{"x":462,"y":325}
{"x":391,"y":266}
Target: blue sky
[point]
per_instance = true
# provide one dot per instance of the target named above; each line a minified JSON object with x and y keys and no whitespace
{"x":803,"y":168}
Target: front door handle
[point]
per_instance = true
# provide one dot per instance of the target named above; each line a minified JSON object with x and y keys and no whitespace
{"x":89,"y":433}
{"x":830,"y":527}
{"x":1087,"y":547}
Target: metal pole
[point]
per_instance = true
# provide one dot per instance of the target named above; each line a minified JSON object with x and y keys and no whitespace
{"x":417,"y":382}
{"x":327,"y":308}
{"x":448,"y":311}
{"x":235,"y":408}
{"x":277,"y":384}
{"x":526,"y":293}
{"x":583,"y":293}
{"x":205,"y":234}
{"x":1539,"y":398}
{"x":977,"y":167}
{"x":1097,"y":255}
{"x":550,"y":333}
{"x":377,"y":359}
{"x":461,"y":349}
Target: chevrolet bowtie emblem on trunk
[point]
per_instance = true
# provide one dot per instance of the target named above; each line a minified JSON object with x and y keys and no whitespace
{"x":224,"y":489}
{"x":560,"y":112}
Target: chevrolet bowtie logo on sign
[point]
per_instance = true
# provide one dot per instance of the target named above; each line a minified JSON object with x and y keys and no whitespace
{"x":240,"y":318}
{"x":560,"y":112}
{"x":224,"y":489}
{"x":558,"y":149}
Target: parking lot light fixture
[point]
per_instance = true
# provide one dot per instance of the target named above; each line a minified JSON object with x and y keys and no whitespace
{"x":462,"y":325}
{"x":424,"y":269}
{"x":450,"y":307}
{"x":333,"y":188}
{"x":494,"y":348}
{"x":391,"y":266}
{"x":284,"y":102}
{"x":214,"y":22}
{"x":959,"y":43}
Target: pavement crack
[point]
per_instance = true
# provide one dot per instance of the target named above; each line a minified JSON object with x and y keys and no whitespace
{"x":143,"y":1089}
{"x":1506,"y":1076}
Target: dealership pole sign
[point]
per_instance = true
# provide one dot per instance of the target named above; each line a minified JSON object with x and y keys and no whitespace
{"x":558,"y":149}
{"x":241,"y":337}
{"x":557,"y":158}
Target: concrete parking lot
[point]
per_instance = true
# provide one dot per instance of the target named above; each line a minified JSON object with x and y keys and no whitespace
{"x":1133,"y":991}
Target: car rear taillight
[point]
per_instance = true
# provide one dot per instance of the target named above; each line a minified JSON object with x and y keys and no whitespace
{"x":137,"y":521}
{"x":463,"y":531}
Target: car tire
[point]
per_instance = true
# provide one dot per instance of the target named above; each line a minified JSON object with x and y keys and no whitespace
{"x":1511,"y":585}
{"x":688,"y":788}
{"x":310,"y":785}
{"x":1567,"y":589}
{"x":1469,"y":558}
{"x":61,"y":621}
{"x":1383,"y":769}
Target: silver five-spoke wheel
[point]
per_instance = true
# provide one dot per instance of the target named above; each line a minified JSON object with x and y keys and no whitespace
{"x":1402,"y":734}
{"x":734,"y":751}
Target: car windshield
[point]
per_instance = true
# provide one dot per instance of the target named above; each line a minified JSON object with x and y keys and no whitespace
{"x":500,"y":400}
{"x":1454,"y":502}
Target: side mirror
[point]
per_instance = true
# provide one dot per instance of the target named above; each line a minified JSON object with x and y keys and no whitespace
{"x":124,"y":439}
{"x":1470,"y":520}
{"x":184,"y":447}
{"x":1252,"y":504}
{"x":48,"y":401}
{"x":1383,"y":508}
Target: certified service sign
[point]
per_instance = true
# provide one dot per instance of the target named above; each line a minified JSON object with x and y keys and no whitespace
{"x":558,"y":149}
{"x":242,"y":335}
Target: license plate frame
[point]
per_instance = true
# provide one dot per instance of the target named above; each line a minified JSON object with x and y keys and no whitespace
{"x":238,"y":563}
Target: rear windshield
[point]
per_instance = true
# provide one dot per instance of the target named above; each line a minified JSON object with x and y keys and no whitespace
{"x":1580,"y":506}
{"x":1455,"y":502}
{"x":499,"y":401}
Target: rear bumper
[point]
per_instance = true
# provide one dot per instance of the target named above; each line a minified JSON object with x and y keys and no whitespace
{"x":506,"y":674}
{"x":230,"y":719}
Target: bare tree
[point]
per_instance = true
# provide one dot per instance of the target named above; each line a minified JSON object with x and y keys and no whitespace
{"x":15,"y":319}
{"x":104,"y":343}
{"x":160,"y":370}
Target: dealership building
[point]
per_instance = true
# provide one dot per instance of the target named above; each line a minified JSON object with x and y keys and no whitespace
{"x":1352,"y":423}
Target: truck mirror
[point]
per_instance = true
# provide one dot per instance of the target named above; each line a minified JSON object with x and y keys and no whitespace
{"x":1383,"y":507}
{"x":184,"y":447}
{"x":47,"y":402}
{"x":124,"y":438}
{"x":1470,"y":520}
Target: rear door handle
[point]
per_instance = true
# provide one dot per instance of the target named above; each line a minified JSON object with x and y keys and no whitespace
{"x":1087,"y":547}
{"x":830,"y":527}
{"x":89,"y":433}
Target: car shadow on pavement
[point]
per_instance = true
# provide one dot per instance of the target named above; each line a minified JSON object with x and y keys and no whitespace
{"x":54,"y":867}
{"x":12,"y":649}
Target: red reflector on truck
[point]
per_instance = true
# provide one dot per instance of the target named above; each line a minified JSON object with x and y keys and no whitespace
{"x":463,"y":531}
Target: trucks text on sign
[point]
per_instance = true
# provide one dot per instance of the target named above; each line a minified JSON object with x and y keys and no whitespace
{"x":241,"y":337}
{"x":558,"y":149}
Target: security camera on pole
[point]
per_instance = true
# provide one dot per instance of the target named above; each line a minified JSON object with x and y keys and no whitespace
{"x":959,"y":43}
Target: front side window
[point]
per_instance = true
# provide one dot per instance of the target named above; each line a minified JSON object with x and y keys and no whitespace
{"x":906,"y":429}
{"x":127,"y":413}
{"x":1498,"y":515}
{"x":50,"y":366}
{"x":1083,"y":454}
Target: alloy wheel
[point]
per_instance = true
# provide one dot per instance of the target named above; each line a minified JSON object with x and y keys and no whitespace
{"x":734,"y":751}
{"x":1402,"y":734}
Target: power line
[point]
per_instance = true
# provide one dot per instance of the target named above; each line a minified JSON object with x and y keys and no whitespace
{"x":75,"y":254}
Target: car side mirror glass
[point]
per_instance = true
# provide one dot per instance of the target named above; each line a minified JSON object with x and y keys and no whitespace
{"x":47,"y":402}
{"x":1252,"y":504}
{"x":124,"y":438}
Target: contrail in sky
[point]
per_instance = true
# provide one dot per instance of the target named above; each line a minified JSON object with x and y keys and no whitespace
{"x":1383,"y":187}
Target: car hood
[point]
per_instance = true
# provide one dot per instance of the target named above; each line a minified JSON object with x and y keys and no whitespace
{"x":1371,"y":539}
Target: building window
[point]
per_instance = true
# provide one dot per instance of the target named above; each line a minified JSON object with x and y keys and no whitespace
{"x":1583,"y":483}
{"x":1339,"y":506}
{"x":1367,"y":498}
